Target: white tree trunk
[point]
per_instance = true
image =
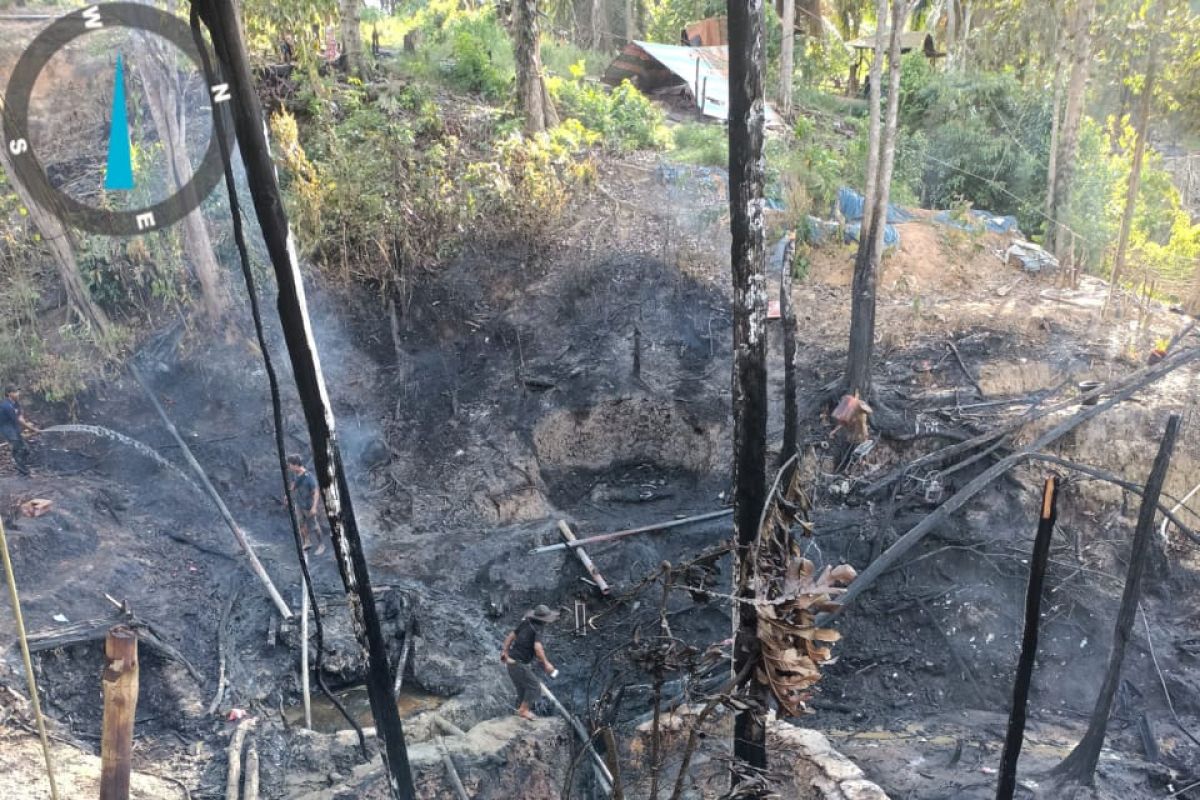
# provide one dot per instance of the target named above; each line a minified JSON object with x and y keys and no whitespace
{"x":787,"y":58}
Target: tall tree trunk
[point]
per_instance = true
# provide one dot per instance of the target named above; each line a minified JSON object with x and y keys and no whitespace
{"x":1141,"y":126}
{"x":352,"y":35}
{"x":156,"y":66}
{"x":748,"y":258}
{"x":1068,"y":143}
{"x":1051,"y":167}
{"x":596,"y":23}
{"x":61,"y":244}
{"x":531,"y":88}
{"x":631,"y":28}
{"x":862,"y":308}
{"x":222,"y":20}
{"x":811,"y":18}
{"x":787,"y":60}
{"x":1080,"y":765}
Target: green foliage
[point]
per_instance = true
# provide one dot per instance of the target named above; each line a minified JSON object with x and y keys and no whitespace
{"x":625,"y":118}
{"x":981,"y":138}
{"x":559,"y":56}
{"x":665,"y":19}
{"x":481,"y":58}
{"x":701,"y":143}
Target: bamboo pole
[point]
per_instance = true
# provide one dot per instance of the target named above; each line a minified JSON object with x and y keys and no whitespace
{"x":452,"y":774}
{"x":1006,"y":784}
{"x":120,"y":682}
{"x":304,"y":654}
{"x":31,"y":681}
{"x":568,"y":537}
{"x":255,"y":565}
{"x":608,"y":537}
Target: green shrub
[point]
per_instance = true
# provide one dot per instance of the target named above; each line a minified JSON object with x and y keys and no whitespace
{"x":480,"y":56}
{"x":701,"y":143}
{"x":625,"y":118}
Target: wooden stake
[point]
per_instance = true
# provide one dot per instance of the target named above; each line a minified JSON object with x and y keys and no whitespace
{"x":30,"y":680}
{"x":304,"y":654}
{"x":569,"y":537}
{"x":120,"y":683}
{"x":1006,"y":785}
{"x":255,"y":565}
{"x":1080,"y":765}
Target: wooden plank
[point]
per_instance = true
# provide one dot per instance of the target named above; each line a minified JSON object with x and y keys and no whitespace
{"x":569,"y":537}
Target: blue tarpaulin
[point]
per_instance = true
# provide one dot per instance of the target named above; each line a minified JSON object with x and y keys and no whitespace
{"x":976,"y":219}
{"x":850,"y":204}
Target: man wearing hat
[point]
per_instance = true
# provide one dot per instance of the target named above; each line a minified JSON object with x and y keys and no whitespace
{"x":520,"y":648}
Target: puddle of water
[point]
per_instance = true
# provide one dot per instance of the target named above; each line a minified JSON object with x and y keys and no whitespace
{"x":327,"y":719}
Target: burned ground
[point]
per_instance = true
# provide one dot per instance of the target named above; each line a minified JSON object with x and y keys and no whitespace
{"x":505,"y":398}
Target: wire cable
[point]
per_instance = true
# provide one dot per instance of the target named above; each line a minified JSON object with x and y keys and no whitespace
{"x":33,"y":690}
{"x":273,"y":379}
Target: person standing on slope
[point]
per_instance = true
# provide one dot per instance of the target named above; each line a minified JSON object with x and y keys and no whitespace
{"x":520,"y":648}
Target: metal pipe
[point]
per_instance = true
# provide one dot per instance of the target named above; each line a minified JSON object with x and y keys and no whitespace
{"x":608,"y":537}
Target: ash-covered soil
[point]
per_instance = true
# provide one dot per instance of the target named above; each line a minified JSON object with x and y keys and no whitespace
{"x":501,"y":395}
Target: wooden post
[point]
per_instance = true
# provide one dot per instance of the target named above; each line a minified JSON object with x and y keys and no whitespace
{"x":569,"y":537}
{"x":787,"y":320}
{"x":233,"y":772}
{"x":304,"y":688}
{"x":120,"y":683}
{"x":250,"y":790}
{"x":1006,"y":785}
{"x":1080,"y":765}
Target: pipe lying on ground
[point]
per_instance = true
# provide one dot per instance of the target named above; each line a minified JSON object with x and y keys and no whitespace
{"x":608,"y":537}
{"x":603,"y":776}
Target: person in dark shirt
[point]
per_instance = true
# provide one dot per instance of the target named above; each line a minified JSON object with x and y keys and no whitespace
{"x":305,"y":494}
{"x":12,"y":426}
{"x":520,"y":648}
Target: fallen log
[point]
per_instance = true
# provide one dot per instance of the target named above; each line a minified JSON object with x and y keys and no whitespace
{"x":1006,"y":784}
{"x":608,"y":537}
{"x":1121,"y":389}
{"x":97,"y":630}
{"x":568,"y":538}
{"x":255,"y":565}
{"x":942,"y":513}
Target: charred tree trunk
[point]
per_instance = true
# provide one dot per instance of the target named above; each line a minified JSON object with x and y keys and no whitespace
{"x":1068,"y":142}
{"x":1006,"y":784}
{"x":880,"y":162}
{"x":221,"y":18}
{"x":352,"y":35}
{"x":787,"y":314}
{"x":748,"y":257}
{"x":787,"y":58}
{"x":531,"y":88}
{"x":1141,"y":127}
{"x":156,"y":65}
{"x":1080,"y":765}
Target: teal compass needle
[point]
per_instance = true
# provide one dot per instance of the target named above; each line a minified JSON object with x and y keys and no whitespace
{"x":119,"y":174}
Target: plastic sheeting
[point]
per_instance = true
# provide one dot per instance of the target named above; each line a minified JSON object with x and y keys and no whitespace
{"x":851,"y":204}
{"x":979,"y":220}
